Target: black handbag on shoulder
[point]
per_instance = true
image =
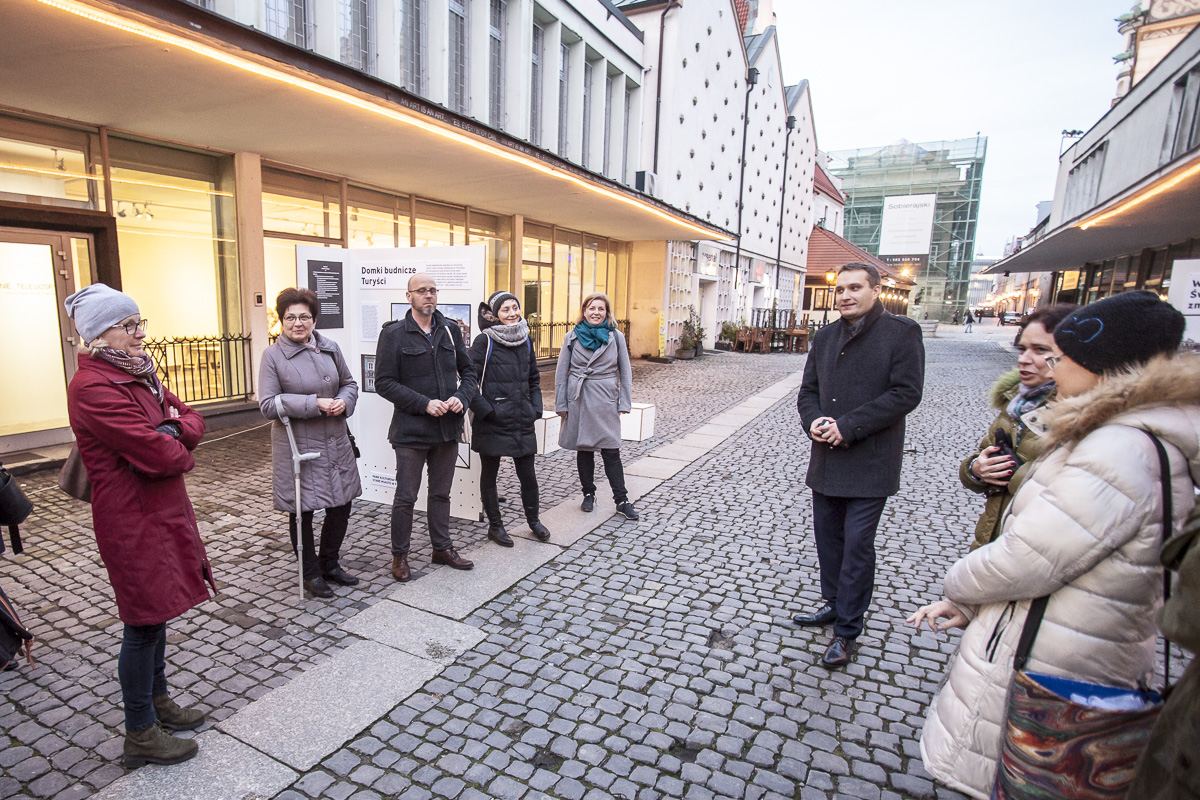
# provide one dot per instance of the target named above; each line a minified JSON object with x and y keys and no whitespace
{"x":13,"y":635}
{"x":14,"y":508}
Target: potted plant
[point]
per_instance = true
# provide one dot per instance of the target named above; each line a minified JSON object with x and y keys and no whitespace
{"x":727,"y":337}
{"x":687,"y":347}
{"x":692,"y":333}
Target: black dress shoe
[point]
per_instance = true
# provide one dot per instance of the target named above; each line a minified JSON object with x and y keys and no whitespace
{"x":589,"y":502}
{"x":500,"y":536}
{"x":340,"y":576}
{"x":825,"y":615}
{"x":839,"y":654}
{"x":540,"y":531}
{"x":317,"y":587}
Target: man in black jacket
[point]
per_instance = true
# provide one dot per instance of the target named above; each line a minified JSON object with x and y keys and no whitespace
{"x":863,"y":376}
{"x":424,"y":370}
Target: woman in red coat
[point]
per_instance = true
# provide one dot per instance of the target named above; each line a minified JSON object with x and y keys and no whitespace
{"x":135,"y":439}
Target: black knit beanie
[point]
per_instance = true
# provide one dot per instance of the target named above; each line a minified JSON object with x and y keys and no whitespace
{"x":1120,"y":331}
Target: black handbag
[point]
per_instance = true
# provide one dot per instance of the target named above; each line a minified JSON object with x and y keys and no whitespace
{"x":13,"y":635}
{"x":14,"y":508}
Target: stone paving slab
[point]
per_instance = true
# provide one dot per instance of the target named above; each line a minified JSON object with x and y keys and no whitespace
{"x":731,"y":419}
{"x":713,"y":429}
{"x":456,"y":593}
{"x":701,"y":440}
{"x":568,"y":524}
{"x":225,"y":769}
{"x":763,"y":400}
{"x":652,"y":467}
{"x":680,"y":452}
{"x":415,"y":631}
{"x":318,"y":711}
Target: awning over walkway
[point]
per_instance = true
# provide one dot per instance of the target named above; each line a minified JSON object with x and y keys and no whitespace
{"x":167,"y":69}
{"x":1163,"y":209}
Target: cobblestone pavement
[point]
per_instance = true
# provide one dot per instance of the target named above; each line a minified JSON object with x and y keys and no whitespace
{"x":648,"y":660}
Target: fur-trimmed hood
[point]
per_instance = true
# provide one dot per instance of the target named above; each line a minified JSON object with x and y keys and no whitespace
{"x":1162,"y":397}
{"x":1004,"y":389}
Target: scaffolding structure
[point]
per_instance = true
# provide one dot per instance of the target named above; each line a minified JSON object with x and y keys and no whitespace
{"x":951,"y":170}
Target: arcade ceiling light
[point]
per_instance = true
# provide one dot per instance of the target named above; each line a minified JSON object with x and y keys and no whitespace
{"x":363,"y":103}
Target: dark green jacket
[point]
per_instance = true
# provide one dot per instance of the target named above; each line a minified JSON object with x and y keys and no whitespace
{"x":1169,"y":768}
{"x":1029,"y":447}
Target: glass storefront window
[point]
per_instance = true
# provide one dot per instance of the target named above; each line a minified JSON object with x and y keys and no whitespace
{"x":176,"y":230}
{"x":49,"y":165}
{"x":280,"y":259}
{"x":495,"y":234}
{"x":440,"y":225}
{"x":301,"y":205}
{"x":377,"y":219}
{"x":568,"y":266}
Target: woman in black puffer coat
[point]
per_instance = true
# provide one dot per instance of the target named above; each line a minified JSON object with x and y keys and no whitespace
{"x":508,"y":402}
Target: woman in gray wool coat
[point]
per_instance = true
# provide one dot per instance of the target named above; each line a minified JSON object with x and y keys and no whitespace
{"x":593,"y":386}
{"x":308,"y":372}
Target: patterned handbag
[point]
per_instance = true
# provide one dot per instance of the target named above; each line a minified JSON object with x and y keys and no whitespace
{"x":1073,"y":740}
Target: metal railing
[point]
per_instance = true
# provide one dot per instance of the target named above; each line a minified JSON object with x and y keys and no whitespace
{"x":548,"y":337}
{"x":204,"y":369}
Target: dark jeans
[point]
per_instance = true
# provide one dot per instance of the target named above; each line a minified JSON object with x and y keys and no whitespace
{"x":845,"y":532}
{"x":585,"y":460}
{"x":141,"y":671}
{"x":491,"y":498}
{"x":333,"y":531}
{"x":410,"y":462}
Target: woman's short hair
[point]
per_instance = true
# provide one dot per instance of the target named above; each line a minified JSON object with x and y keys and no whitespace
{"x":293,"y":295}
{"x":587,"y":301}
{"x":1049,"y":317}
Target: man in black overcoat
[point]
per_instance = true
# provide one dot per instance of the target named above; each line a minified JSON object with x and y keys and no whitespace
{"x":863,"y":376}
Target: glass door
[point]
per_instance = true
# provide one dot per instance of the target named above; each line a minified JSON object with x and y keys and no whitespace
{"x":38,"y":270}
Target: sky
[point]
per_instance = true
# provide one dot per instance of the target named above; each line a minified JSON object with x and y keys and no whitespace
{"x":1017,"y":71}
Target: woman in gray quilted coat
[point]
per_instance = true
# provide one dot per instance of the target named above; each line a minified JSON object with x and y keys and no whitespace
{"x":307,"y":371}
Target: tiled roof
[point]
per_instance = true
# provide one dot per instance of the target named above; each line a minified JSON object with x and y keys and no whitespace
{"x":825,"y":186}
{"x":827,"y":250}
{"x":743,"y":14}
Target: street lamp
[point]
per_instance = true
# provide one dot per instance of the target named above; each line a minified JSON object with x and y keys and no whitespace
{"x":830,"y":280}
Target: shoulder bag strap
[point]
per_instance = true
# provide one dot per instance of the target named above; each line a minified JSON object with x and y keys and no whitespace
{"x":486,"y":358}
{"x":1033,"y":621}
{"x":1168,"y":528}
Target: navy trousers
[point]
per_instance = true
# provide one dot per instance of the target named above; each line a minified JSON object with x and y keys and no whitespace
{"x":844,"y":528}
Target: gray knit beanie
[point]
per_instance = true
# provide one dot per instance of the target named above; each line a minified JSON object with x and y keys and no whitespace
{"x":97,"y":308}
{"x":500,"y":298}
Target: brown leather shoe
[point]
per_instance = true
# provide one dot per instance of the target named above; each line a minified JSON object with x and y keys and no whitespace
{"x":400,"y":569}
{"x":452,"y":559}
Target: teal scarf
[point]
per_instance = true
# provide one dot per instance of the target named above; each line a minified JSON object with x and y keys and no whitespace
{"x":593,"y":337}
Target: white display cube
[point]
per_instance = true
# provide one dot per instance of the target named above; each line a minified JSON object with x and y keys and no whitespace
{"x":638,"y":424}
{"x":547,"y":429}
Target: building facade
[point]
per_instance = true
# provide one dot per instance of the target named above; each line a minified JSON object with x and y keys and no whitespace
{"x":1125,"y":201}
{"x":1151,"y":29}
{"x":917,"y":206}
{"x":184,"y":153}
{"x":720,"y":91}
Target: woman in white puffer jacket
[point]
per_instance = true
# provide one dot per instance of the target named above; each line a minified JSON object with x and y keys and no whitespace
{"x":1085,"y":528}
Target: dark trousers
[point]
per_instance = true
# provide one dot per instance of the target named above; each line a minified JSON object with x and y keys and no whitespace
{"x":333,"y":531}
{"x":141,"y":671}
{"x":526,"y":474}
{"x":585,"y":460}
{"x":410,"y":462}
{"x":845,"y":532}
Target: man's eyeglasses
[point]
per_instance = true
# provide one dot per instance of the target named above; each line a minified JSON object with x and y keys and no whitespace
{"x":424,"y":292}
{"x":292,"y":319}
{"x":132,"y":328}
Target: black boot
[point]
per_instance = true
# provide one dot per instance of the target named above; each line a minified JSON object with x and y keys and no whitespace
{"x":539,"y":530}
{"x":500,"y":536}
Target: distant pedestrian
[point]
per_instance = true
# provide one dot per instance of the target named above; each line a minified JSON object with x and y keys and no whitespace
{"x":864,"y":375}
{"x":306,"y":370}
{"x":135,"y":439}
{"x":424,"y":370}
{"x":970,"y":321}
{"x":954,"y":320}
{"x":1005,"y":454}
{"x":1084,"y":530}
{"x":593,"y":386}
{"x":508,"y":403}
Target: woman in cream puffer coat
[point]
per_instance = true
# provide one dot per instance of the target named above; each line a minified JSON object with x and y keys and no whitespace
{"x":1085,"y":528}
